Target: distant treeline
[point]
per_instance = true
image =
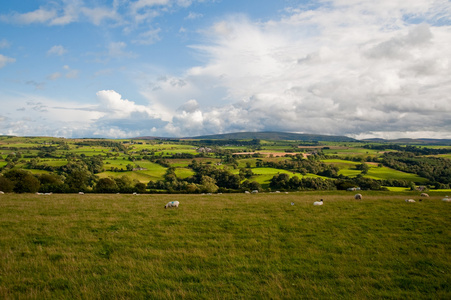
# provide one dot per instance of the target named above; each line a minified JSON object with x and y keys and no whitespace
{"x":436,"y":169}
{"x":253,"y":142}
{"x":116,"y":146}
{"x":416,"y":150}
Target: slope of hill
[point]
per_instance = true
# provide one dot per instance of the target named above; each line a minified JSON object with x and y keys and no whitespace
{"x":406,"y":141}
{"x":270,"y":135}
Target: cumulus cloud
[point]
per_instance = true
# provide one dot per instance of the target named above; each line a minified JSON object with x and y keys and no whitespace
{"x":336,"y":67}
{"x":339,"y":69}
{"x":124,"y":116}
{"x":112,"y":116}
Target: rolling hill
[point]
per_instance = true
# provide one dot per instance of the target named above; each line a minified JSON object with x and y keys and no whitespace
{"x":271,"y":135}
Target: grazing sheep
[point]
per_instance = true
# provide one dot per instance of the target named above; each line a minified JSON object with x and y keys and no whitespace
{"x":246,"y":192}
{"x":424,"y":195}
{"x":358,"y":197}
{"x":1,"y":192}
{"x":172,"y":204}
{"x":318,"y":202}
{"x":446,"y":199}
{"x":81,"y":193}
{"x":410,"y":201}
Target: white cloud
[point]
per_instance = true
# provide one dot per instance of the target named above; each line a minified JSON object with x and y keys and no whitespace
{"x":336,"y":67}
{"x":345,"y":68}
{"x":4,"y":60}
{"x":193,"y":16}
{"x":112,"y":102}
{"x":56,"y":50}
{"x":117,"y":49}
{"x":148,"y":37}
{"x":97,"y":14}
{"x":140,"y":4}
{"x":40,"y":15}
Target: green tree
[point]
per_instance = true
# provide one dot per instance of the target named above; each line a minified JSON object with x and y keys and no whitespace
{"x":124,"y":184}
{"x":24,"y":181}
{"x":208,"y":184}
{"x":140,"y":187}
{"x":106,"y":185}
{"x":6,"y":185}
{"x":50,"y":183}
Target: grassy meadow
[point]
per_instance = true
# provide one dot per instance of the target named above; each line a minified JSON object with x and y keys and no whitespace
{"x":229,"y":246}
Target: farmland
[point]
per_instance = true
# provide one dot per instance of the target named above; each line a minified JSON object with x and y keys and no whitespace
{"x":196,"y":166}
{"x":222,"y":243}
{"x":225,"y":246}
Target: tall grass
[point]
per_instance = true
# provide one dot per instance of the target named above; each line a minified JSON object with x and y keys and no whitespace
{"x":224,"y":247}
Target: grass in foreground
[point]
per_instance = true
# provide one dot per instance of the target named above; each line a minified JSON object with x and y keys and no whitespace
{"x":224,"y":247}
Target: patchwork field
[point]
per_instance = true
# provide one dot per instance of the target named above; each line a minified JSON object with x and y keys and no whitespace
{"x":229,"y":246}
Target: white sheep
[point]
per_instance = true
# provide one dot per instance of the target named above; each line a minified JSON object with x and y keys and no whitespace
{"x":446,"y":199}
{"x":358,"y":197}
{"x":424,"y":195}
{"x":410,"y":201}
{"x":1,"y":192}
{"x":318,"y":202}
{"x":172,"y":204}
{"x":81,"y":193}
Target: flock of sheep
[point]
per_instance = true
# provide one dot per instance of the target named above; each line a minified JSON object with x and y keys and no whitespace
{"x":320,"y":202}
{"x":360,"y":197}
{"x":175,"y":204}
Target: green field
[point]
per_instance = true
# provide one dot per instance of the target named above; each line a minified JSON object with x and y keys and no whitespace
{"x":230,"y":246}
{"x":388,"y":173}
{"x":145,"y":160}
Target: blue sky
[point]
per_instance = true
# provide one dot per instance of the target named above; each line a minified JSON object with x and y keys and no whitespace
{"x":117,"y":68}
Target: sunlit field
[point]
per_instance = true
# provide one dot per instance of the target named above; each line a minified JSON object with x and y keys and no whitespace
{"x":229,"y":246}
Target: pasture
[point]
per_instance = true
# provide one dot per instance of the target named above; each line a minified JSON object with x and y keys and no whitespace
{"x":229,"y":246}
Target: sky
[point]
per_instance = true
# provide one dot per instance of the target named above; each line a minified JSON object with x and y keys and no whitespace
{"x":179,"y":68}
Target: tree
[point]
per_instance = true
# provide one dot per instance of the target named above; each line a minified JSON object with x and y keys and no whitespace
{"x":78,"y":180}
{"x":6,"y":185}
{"x":208,"y":184}
{"x":50,"y":183}
{"x":254,"y":185}
{"x":140,"y":187}
{"x":364,"y":167}
{"x":24,"y":181}
{"x":106,"y":185}
{"x":124,"y":184}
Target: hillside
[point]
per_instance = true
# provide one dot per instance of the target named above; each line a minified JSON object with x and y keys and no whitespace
{"x":419,"y":141}
{"x":271,"y":135}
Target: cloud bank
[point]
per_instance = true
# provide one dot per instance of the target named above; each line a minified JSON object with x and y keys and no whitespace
{"x":336,"y":67}
{"x":359,"y":70}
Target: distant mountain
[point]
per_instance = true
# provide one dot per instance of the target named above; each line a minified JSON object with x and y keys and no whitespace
{"x":420,"y":141}
{"x":270,"y":135}
{"x":154,"y":138}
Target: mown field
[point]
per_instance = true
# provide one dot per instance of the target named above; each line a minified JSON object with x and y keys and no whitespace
{"x":228,"y":246}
